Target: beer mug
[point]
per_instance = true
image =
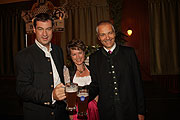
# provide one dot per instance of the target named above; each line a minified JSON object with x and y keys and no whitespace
{"x":71,"y":94}
{"x":82,"y":101}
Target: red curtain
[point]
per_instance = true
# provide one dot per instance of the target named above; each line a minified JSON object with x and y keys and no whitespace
{"x":135,"y":17}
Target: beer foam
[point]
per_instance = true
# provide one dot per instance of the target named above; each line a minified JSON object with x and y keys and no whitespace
{"x":83,"y":94}
{"x":70,"y":89}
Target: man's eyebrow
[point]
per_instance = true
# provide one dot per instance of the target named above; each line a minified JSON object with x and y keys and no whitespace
{"x":49,"y":27}
{"x":39,"y":27}
{"x":45,"y":28}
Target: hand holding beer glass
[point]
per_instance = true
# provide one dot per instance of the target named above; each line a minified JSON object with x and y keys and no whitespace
{"x":82,"y":101}
{"x":71,"y":94}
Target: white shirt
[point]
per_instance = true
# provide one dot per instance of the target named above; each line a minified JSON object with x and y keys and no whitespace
{"x":114,"y":46}
{"x":56,"y":77}
{"x":82,"y":81}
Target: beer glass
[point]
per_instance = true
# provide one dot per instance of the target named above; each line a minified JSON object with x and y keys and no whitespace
{"x":82,"y":101}
{"x":71,"y":94}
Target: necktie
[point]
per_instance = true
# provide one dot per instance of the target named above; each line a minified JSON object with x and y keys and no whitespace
{"x":109,"y":51}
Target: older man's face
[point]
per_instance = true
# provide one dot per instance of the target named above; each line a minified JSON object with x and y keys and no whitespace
{"x":106,"y":35}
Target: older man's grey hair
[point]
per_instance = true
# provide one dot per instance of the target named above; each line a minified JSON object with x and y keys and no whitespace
{"x":104,"y":22}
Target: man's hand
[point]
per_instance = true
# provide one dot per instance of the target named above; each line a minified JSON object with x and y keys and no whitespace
{"x":59,"y":92}
{"x":140,"y":117}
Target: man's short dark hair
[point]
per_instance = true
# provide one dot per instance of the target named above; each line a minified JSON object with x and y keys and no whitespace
{"x":42,"y":17}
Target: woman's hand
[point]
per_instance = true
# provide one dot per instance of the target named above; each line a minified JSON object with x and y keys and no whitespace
{"x":96,"y":98}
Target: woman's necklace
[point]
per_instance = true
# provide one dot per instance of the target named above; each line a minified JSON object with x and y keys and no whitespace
{"x":81,"y":71}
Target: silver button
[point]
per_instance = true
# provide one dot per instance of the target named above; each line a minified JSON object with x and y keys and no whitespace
{"x":112,"y":66}
{"x":115,"y":88}
{"x":116,"y":93}
{"x":113,"y":72}
{"x":47,"y":103}
{"x":52,"y":113}
{"x":109,"y":72}
{"x":114,"y":77}
{"x":114,"y":82}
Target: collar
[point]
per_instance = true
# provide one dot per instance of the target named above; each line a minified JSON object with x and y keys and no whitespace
{"x":42,"y":47}
{"x":115,"y":51}
{"x":114,"y":46}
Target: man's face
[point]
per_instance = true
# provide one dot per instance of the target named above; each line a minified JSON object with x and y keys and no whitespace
{"x":106,"y":35}
{"x":43,"y":32}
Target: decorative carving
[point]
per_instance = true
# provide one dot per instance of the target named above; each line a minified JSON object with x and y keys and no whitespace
{"x":44,"y":6}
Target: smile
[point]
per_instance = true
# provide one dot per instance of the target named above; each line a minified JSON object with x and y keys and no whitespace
{"x":45,"y":38}
{"x":109,"y":40}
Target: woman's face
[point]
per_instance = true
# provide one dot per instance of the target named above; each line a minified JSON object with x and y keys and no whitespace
{"x":77,"y":56}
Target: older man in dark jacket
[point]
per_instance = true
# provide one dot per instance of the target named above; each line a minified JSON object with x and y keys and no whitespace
{"x":116,"y":78}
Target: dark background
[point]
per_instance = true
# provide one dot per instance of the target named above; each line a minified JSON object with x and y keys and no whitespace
{"x":162,"y":92}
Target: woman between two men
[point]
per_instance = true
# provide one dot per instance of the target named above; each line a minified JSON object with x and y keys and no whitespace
{"x":78,"y":72}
